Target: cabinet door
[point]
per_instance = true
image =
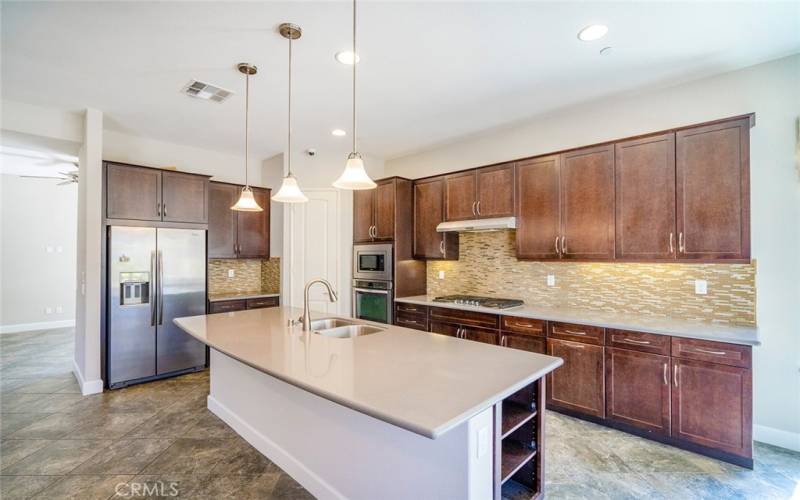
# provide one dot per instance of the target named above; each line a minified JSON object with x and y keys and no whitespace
{"x":645,"y":192}
{"x":133,"y":192}
{"x":712,"y":405}
{"x":637,"y":389}
{"x":587,"y":203}
{"x":481,"y":335}
{"x":363,"y":214}
{"x":523,"y":342}
{"x":460,"y":196}
{"x":578,"y":384}
{"x":222,"y":220}
{"x":227,"y":306}
{"x":713,"y":191}
{"x":444,"y":328}
{"x":538,"y":208}
{"x":384,"y":210}
{"x":429,"y":213}
{"x":495,"y":191}
{"x":253,"y":228}
{"x":184,"y":197}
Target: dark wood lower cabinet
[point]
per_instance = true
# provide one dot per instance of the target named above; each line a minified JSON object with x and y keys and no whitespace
{"x":579,"y":384}
{"x":712,"y":405}
{"x":444,"y":328}
{"x":523,"y":342}
{"x":638,"y":389}
{"x":481,"y":335}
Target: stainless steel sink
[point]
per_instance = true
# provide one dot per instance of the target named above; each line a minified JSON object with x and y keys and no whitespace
{"x":328,"y":323}
{"x":348,"y":331}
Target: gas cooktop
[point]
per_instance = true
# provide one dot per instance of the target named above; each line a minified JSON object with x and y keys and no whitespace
{"x":476,"y":300}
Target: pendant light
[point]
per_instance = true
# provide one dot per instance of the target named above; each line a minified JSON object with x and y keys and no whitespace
{"x":290,"y":191}
{"x":247,"y":203}
{"x":354,"y":175}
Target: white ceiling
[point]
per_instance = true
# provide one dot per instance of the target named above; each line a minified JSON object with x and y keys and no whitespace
{"x":430,"y":72}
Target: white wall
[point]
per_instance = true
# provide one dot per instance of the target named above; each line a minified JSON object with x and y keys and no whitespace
{"x":772,"y":91}
{"x":37,"y":260}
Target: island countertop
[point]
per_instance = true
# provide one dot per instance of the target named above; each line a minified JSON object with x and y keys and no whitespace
{"x":423,"y":382}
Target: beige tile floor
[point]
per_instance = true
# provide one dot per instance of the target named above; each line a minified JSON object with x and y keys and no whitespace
{"x":160,"y":437}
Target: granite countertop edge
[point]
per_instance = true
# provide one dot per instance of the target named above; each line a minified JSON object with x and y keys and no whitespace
{"x":732,"y":334}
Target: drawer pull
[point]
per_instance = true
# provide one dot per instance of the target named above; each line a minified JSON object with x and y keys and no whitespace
{"x":706,"y":351}
{"x":574,"y":332}
{"x":634,"y":341}
{"x":523,"y":325}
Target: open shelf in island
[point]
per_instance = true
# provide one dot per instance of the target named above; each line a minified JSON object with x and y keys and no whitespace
{"x":519,"y":444}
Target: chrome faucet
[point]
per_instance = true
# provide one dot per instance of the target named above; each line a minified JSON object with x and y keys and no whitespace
{"x":306,"y":319}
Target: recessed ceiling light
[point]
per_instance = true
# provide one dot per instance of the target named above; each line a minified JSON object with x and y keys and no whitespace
{"x":338,"y":132}
{"x":346,"y":57}
{"x":593,"y":32}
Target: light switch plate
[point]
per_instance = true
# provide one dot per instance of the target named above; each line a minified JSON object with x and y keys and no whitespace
{"x":700,"y":287}
{"x":231,"y":273}
{"x":551,"y":280}
{"x":441,"y":275}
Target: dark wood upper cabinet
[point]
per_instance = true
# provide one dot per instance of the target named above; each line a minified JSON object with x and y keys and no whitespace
{"x":587,"y":203}
{"x":495,"y":191}
{"x":363,"y":214}
{"x":133,"y":192}
{"x":384,"y":210}
{"x":638,"y":389}
{"x":578,"y":384}
{"x":712,"y":405}
{"x":253,"y":228}
{"x":538,"y":208}
{"x":713,"y":191}
{"x":233,"y":234}
{"x":222,"y":221}
{"x":184,"y":197}
{"x":645,"y":192}
{"x":429,"y":213}
{"x":460,"y":196}
{"x":152,"y":194}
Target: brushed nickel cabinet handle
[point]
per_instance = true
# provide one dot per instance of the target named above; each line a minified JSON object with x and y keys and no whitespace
{"x":634,"y":341}
{"x":473,"y":208}
{"x":675,"y":375}
{"x":671,"y":248}
{"x":666,"y":369}
{"x":441,"y":246}
{"x":573,"y":332}
{"x":557,"y":251}
{"x":158,"y":209}
{"x":524,"y":325}
{"x":564,"y":245}
{"x":681,"y":243}
{"x":164,"y":209}
{"x":707,"y":351}
{"x":479,"y":207}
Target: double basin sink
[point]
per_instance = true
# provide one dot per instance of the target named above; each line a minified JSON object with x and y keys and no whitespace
{"x":342,"y":328}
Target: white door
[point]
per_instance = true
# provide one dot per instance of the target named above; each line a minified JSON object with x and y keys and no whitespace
{"x":312,"y":230}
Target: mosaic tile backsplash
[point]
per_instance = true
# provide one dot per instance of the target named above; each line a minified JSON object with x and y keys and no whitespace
{"x":488,"y":266}
{"x":250,"y":275}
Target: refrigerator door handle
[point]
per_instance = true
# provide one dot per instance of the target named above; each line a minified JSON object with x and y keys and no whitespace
{"x":160,"y":287}
{"x":153,"y":294}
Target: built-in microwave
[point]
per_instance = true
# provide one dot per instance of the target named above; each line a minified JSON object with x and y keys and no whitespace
{"x":372,"y":262}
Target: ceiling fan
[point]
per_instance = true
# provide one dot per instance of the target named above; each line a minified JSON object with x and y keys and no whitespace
{"x":65,"y":177}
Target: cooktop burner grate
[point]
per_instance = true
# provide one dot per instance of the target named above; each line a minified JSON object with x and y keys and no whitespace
{"x":477,"y":300}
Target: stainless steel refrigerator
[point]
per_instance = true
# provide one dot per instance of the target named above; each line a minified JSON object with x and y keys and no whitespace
{"x":155,"y":275}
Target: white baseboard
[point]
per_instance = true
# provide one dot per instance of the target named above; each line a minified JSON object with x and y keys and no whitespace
{"x":87,"y":386}
{"x":29,"y":327}
{"x":777,"y":437}
{"x":299,"y":472}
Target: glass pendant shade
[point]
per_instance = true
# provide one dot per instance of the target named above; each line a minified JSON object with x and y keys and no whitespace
{"x":247,"y":203}
{"x":290,"y":192}
{"x":354,"y":175}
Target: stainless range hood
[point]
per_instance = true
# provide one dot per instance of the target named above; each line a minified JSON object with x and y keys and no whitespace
{"x":459,"y":226}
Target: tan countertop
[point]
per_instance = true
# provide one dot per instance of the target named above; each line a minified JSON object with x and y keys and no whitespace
{"x":257,"y":294}
{"x":746,"y":335}
{"x":423,"y":382}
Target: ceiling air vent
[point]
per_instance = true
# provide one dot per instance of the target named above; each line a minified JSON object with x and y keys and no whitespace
{"x":202,"y":90}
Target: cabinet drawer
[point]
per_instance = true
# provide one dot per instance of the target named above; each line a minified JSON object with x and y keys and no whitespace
{"x":411,"y":308}
{"x":714,"y":352}
{"x":523,"y":342}
{"x":481,"y":335}
{"x":463,"y":317}
{"x":638,"y":341}
{"x":411,"y":320}
{"x":523,"y":326}
{"x":578,"y":333}
{"x":263,"y":302}
{"x":227,"y":306}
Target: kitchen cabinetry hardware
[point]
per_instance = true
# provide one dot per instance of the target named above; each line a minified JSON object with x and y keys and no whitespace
{"x":152,"y":288}
{"x":164,"y":209}
{"x":479,"y":207}
{"x":671,"y":249}
{"x":160,"y":287}
{"x":675,"y":374}
{"x":574,"y":332}
{"x":681,"y":245}
{"x":524,"y":325}
{"x":473,"y":208}
{"x":666,"y":369}
{"x":158,"y":208}
{"x":558,"y":252}
{"x":634,"y":341}
{"x":707,"y":351}
{"x":564,"y":245}
{"x":441,"y":246}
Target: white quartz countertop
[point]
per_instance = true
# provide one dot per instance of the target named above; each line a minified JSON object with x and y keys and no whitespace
{"x":638,"y":322}
{"x":219,"y":297}
{"x":423,"y":382}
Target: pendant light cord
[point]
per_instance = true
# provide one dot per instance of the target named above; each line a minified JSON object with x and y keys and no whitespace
{"x":289,"y":149}
{"x":355,"y":63}
{"x":246,"y":125}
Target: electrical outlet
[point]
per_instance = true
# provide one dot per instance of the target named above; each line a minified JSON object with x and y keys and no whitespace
{"x":441,"y":275}
{"x":59,"y":309}
{"x":231,"y":273}
{"x":483,"y":442}
{"x":59,"y":249}
{"x":551,"y":280}
{"x":700,"y":287}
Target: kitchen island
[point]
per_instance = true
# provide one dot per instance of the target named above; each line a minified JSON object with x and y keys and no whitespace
{"x":394,"y":414}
